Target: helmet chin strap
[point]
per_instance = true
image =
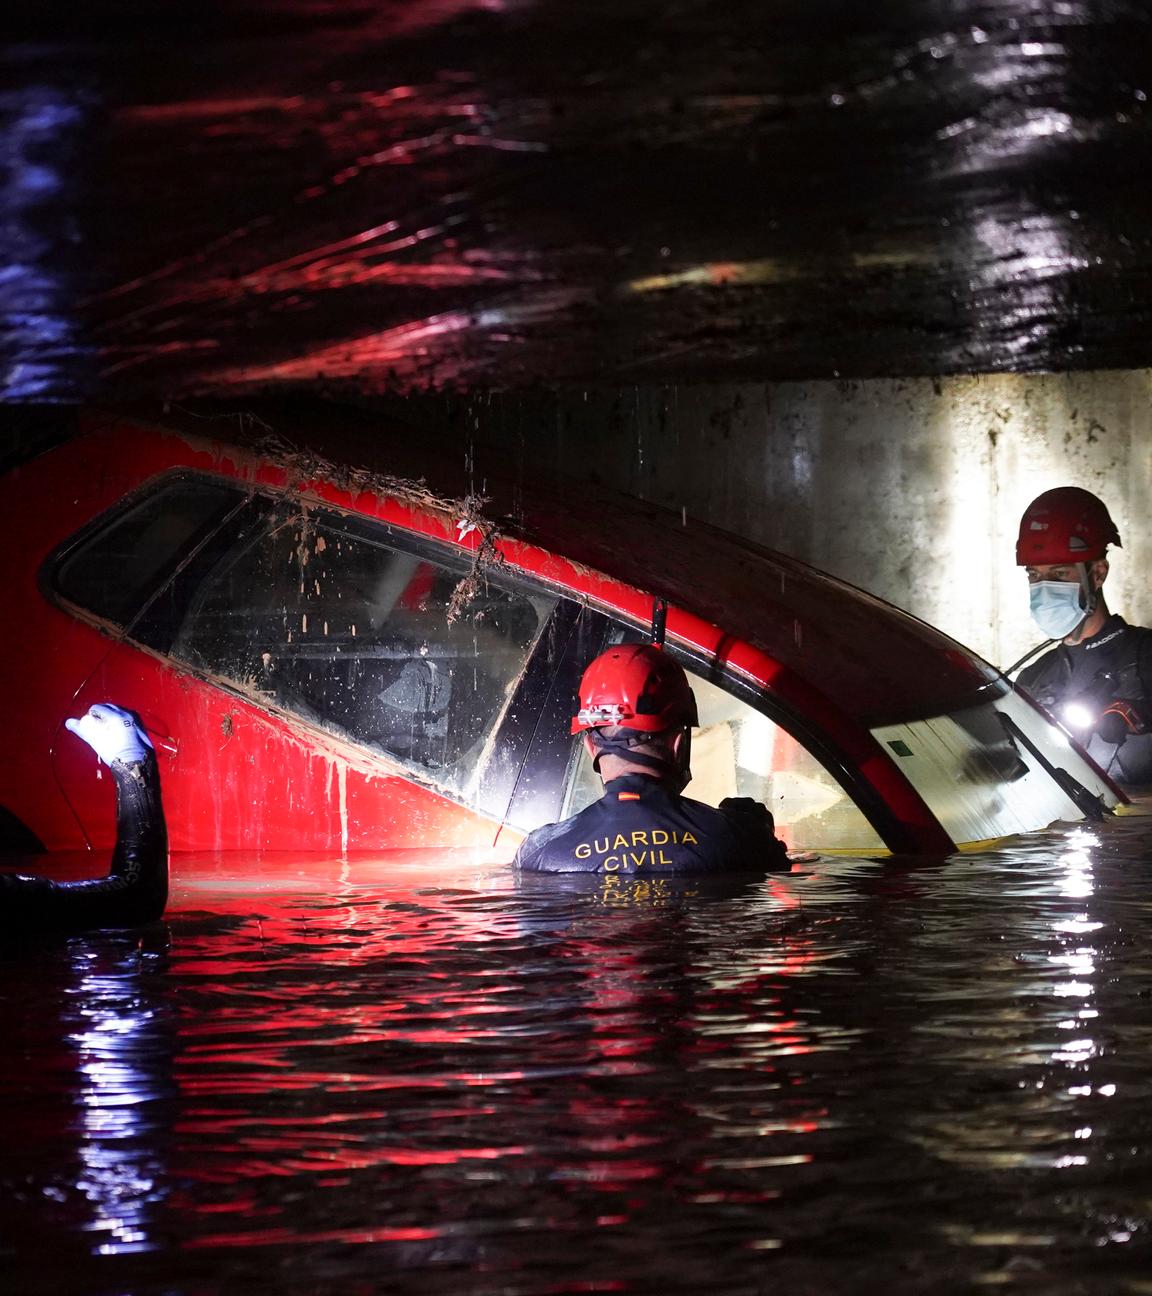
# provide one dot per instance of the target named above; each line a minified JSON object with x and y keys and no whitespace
{"x":1088,"y":591}
{"x":1087,"y":595}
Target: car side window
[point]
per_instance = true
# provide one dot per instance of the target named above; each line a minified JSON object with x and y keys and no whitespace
{"x":112,"y":571}
{"x":737,"y":751}
{"x":402,"y":650}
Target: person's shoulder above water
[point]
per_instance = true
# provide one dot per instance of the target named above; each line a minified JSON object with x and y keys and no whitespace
{"x":636,"y":712}
{"x":532,"y":849}
{"x":640,"y":826}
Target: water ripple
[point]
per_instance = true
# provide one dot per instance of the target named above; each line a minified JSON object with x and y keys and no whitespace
{"x":918,"y":1077}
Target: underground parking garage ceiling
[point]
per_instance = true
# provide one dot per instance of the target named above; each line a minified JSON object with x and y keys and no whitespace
{"x":232,"y":197}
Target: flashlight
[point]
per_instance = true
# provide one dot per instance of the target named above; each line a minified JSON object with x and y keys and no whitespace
{"x":1078,"y":716}
{"x":1114,"y":723}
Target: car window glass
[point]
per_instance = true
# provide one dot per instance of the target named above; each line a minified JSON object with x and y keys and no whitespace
{"x":738,"y":751}
{"x":328,"y":618}
{"x":112,"y":571}
{"x":981,"y":778}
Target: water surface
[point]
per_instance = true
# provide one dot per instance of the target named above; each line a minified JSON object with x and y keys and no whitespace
{"x":347,"y":1077}
{"x":226,"y":198}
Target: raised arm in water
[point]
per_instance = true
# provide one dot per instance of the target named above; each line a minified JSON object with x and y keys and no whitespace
{"x":135,"y":890}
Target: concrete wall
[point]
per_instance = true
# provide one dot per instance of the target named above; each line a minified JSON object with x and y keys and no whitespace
{"x":910,"y":488}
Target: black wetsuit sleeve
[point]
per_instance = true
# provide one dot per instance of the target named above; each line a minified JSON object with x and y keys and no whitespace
{"x":755,"y":830}
{"x":135,"y":889}
{"x":1144,"y":672}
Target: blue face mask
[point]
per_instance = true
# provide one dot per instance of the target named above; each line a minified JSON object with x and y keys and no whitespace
{"x":1056,"y":607}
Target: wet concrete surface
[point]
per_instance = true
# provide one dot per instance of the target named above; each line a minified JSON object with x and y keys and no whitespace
{"x":500,"y":192}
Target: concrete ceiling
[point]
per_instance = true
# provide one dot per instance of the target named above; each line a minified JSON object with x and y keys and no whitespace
{"x":369,"y":196}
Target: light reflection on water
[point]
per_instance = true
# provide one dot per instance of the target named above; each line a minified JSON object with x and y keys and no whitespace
{"x":43,"y":132}
{"x":502,"y":192}
{"x":922,"y":1077}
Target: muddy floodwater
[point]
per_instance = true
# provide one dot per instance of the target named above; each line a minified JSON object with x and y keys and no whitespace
{"x":337,"y":1077}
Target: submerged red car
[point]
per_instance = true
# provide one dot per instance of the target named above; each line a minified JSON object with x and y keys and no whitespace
{"x":333,"y":655}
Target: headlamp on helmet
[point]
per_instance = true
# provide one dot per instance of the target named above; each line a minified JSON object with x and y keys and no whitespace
{"x":635,"y":686}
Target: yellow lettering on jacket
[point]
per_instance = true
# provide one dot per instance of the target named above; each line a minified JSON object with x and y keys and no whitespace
{"x":689,"y":838}
{"x":638,"y":860}
{"x":621,"y":840}
{"x":659,"y":837}
{"x":611,"y":864}
{"x":639,"y":837}
{"x":583,"y":851}
{"x":601,"y":850}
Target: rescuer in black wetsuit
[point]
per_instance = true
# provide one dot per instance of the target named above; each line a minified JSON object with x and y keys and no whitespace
{"x":1098,"y":680}
{"x":636,"y":714}
{"x":135,"y":890}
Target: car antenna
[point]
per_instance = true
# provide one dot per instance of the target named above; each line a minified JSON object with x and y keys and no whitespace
{"x":659,"y":617}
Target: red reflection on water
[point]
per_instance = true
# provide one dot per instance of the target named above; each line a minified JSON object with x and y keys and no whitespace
{"x":280,"y":1236}
{"x":402,"y":348}
{"x":392,"y":1062}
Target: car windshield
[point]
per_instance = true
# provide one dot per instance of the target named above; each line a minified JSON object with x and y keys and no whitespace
{"x":983,"y":772}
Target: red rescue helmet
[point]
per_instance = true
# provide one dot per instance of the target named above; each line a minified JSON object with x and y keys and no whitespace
{"x":1065,"y":525}
{"x":638,"y":686}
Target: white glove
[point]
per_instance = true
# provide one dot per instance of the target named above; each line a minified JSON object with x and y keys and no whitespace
{"x":112,"y":733}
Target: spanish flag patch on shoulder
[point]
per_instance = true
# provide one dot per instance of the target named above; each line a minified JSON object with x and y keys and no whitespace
{"x":628,"y":796}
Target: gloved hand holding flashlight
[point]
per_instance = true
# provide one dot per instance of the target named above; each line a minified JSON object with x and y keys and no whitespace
{"x":1113,"y":719}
